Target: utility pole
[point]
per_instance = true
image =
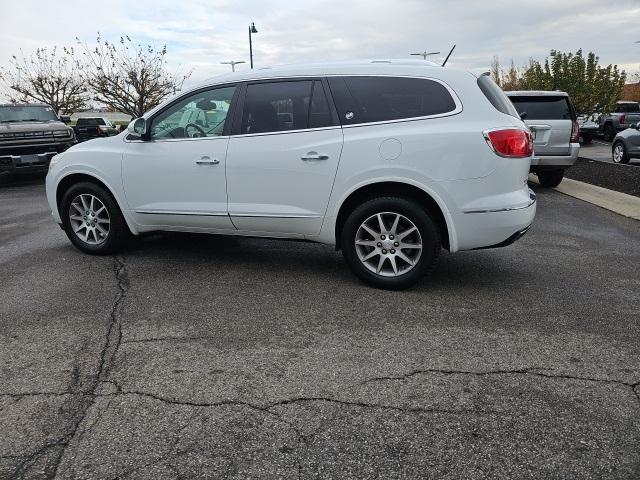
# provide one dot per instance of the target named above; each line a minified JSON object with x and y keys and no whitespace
{"x":233,"y":64}
{"x":425,"y":54}
{"x":252,"y":29}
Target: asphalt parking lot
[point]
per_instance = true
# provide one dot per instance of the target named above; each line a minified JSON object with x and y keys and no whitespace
{"x":193,"y":356}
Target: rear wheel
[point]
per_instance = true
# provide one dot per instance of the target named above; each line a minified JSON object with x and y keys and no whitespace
{"x":390,"y":242}
{"x":586,"y":139}
{"x":620,"y":154}
{"x":92,"y":219}
{"x":550,"y":178}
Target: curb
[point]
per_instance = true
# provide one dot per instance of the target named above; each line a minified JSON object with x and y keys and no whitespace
{"x":620,"y":203}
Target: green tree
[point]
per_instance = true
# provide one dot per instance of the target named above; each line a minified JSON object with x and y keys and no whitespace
{"x":588,"y":83}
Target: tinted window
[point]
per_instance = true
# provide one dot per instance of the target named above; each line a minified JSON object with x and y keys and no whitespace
{"x":628,"y":107}
{"x":319,"y":114}
{"x":376,"y":99}
{"x":202,"y":114}
{"x":276,"y":106}
{"x":496,"y":96}
{"x":543,"y":107}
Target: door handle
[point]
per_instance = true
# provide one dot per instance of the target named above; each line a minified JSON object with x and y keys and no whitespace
{"x":207,"y":161}
{"x":314,"y":156}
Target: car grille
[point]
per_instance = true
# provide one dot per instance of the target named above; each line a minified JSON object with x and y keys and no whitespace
{"x":36,"y":136}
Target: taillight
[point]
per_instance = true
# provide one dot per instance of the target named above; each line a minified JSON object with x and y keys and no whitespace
{"x":575,"y":131}
{"x":622,"y":118}
{"x":510,"y":142}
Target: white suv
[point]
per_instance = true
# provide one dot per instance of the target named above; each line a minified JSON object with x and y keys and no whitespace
{"x":389,"y":161}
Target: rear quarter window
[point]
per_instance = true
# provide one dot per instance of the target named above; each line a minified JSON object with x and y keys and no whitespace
{"x":544,"y":107}
{"x":378,"y":99}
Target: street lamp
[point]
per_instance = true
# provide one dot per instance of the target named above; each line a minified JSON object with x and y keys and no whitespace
{"x":233,"y":64}
{"x":425,"y":54}
{"x":252,"y":29}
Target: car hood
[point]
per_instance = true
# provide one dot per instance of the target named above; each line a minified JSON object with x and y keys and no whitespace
{"x":20,"y":127}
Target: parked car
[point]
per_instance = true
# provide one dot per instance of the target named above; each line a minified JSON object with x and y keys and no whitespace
{"x":377,"y":158}
{"x":626,"y":113}
{"x":626,"y":144}
{"x":556,"y":133}
{"x":589,"y":127}
{"x":94,"y":127}
{"x":30,"y":135}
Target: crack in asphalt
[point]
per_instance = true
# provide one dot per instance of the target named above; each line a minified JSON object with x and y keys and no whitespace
{"x":536,"y":371}
{"x":87,"y":397}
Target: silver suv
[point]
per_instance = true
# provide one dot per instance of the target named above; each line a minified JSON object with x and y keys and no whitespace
{"x":555,"y":129}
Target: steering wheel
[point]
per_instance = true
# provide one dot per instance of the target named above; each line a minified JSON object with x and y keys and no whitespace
{"x":200,"y":131}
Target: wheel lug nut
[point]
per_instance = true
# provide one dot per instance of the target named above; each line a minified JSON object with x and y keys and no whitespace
{"x":390,"y":237}
{"x":395,"y":244}
{"x":384,"y":251}
{"x":393,"y":251}
{"x":379,"y":244}
{"x":382,"y":237}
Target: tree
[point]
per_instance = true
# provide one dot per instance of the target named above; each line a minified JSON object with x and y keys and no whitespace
{"x":130,"y":78}
{"x":48,"y":77}
{"x":587,"y":83}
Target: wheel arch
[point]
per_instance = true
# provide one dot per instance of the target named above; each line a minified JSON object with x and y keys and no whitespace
{"x":71,"y":179}
{"x":425,"y":199}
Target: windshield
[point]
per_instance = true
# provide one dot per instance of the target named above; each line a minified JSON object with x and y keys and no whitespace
{"x":27,"y":113}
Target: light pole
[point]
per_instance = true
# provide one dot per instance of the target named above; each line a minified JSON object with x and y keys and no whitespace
{"x":425,"y":54}
{"x":252,"y":29}
{"x":233,"y":64}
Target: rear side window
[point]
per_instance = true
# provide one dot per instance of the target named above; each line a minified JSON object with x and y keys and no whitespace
{"x":378,"y":99}
{"x":496,"y":96}
{"x":285,"y":105}
{"x":543,"y":107}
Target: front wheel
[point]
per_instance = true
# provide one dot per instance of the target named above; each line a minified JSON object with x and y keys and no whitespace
{"x":609,"y":132}
{"x":390,"y":242}
{"x":92,"y":219}
{"x":551,"y":178}
{"x":620,"y":154}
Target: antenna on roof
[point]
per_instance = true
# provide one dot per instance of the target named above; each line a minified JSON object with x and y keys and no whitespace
{"x":450,"y":52}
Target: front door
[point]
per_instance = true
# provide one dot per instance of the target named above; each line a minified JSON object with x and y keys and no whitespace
{"x":176,"y":178}
{"x":281,"y":166}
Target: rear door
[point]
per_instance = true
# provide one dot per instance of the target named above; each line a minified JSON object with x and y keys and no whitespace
{"x":550,"y":117}
{"x":282,"y":163}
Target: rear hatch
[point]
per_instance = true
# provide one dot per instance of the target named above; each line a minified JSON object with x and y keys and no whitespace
{"x":550,"y":118}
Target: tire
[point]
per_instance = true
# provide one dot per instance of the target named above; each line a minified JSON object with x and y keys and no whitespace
{"x":550,"y":178}
{"x":619,"y":153}
{"x":609,"y":132}
{"x":408,"y":213}
{"x":91,"y":239}
{"x":586,"y":139}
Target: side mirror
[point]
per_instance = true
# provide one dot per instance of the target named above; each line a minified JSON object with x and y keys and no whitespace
{"x":138,"y":127}
{"x":523,"y":115}
{"x":65,"y":119}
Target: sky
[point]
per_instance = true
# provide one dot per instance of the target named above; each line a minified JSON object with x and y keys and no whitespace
{"x":199,"y":34}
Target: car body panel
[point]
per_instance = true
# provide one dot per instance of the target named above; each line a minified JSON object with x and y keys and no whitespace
{"x":631,"y":139}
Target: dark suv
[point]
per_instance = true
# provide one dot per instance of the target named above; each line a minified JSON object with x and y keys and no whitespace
{"x":30,"y":134}
{"x":94,"y":127}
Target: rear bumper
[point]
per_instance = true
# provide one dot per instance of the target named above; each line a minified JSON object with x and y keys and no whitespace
{"x":561,"y":161}
{"x":479,"y":229}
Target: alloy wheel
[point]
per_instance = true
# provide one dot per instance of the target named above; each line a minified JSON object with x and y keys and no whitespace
{"x":388,"y":244}
{"x":618,"y":153}
{"x":89,"y":219}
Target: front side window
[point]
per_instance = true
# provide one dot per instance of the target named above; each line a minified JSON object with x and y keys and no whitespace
{"x":285,"y":105}
{"x":377,"y":99}
{"x":202,"y":114}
